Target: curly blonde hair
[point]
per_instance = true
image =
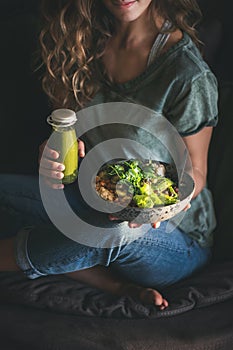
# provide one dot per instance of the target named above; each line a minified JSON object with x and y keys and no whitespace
{"x":73,"y":40}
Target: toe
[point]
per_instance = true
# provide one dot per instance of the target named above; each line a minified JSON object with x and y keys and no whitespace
{"x":152,"y":296}
{"x":158,"y":299}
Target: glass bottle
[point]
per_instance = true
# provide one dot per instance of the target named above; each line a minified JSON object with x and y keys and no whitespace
{"x":65,"y":142}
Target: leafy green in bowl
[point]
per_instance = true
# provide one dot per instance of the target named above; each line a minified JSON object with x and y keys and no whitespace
{"x":145,"y":191}
{"x":137,"y":183}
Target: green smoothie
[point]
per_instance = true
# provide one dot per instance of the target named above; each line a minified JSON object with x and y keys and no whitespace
{"x":68,"y":149}
{"x":65,"y":141}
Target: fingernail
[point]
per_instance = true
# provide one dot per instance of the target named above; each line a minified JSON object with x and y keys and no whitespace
{"x":61,"y":167}
{"x":59,"y":175}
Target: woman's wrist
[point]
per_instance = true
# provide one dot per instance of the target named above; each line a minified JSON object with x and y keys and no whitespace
{"x":199,"y":177}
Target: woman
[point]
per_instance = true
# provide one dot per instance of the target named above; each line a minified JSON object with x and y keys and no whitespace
{"x":144,"y":52}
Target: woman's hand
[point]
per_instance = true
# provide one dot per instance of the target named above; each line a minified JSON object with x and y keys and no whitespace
{"x":154,"y":224}
{"x":132,"y":224}
{"x":50,"y":167}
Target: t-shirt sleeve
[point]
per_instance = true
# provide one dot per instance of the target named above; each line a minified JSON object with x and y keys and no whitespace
{"x":196,"y":105}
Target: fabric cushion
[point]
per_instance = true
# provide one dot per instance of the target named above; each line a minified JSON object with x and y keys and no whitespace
{"x":61,"y":294}
{"x":208,"y":328}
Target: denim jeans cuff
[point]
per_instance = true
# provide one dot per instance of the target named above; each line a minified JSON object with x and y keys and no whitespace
{"x":21,"y":255}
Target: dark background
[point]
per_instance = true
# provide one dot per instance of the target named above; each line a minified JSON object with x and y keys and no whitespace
{"x":24,"y":107}
{"x":23,"y":104}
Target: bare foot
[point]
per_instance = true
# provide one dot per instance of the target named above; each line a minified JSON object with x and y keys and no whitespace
{"x":103,"y":278}
{"x":152,"y":296}
{"x":145,"y":295}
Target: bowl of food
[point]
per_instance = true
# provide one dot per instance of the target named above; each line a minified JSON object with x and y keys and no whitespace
{"x":144,"y":191}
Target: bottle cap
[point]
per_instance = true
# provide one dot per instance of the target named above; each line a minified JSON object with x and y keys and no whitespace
{"x":62,"y":117}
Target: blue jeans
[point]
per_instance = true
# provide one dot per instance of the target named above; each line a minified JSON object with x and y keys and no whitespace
{"x":155,"y":259}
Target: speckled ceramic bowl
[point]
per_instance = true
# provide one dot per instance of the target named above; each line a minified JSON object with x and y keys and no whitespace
{"x":160,"y":213}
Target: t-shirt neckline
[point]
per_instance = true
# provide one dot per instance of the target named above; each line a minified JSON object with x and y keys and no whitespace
{"x":133,"y":82}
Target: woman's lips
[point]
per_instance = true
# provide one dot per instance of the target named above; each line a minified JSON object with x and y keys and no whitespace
{"x":125,"y":4}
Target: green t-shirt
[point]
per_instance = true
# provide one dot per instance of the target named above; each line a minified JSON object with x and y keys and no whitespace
{"x":180,"y":86}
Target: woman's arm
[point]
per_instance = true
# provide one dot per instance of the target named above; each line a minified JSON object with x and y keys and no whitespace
{"x":198,"y":146}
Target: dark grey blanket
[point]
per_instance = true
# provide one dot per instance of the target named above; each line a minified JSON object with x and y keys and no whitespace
{"x":61,"y":294}
{"x":58,"y":313}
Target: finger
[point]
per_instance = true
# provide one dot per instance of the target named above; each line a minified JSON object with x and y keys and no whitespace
{"x":188,"y":206}
{"x":50,"y":153}
{"x":155,"y":224}
{"x":130,"y":224}
{"x":57,"y":186}
{"x":53,"y":185}
{"x":112,"y":217}
{"x":134,"y":225}
{"x":50,"y":164}
{"x":81,"y":148}
{"x":51,"y":173}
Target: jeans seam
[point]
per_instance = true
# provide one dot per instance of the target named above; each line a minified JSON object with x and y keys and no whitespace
{"x":21,"y":256}
{"x":164,"y":245}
